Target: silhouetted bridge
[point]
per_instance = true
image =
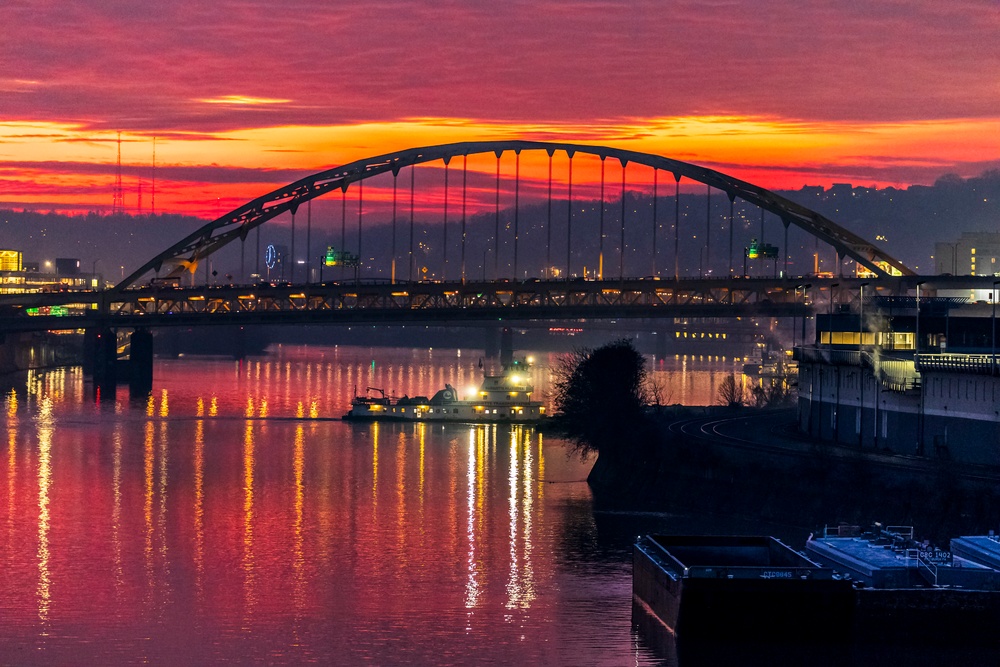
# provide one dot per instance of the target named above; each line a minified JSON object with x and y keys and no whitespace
{"x":567,"y":252}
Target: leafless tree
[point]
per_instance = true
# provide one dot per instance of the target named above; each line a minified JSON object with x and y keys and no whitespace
{"x":731,"y":392}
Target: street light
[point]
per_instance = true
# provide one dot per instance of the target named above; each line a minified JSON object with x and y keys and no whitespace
{"x":916,"y":342}
{"x":861,"y":316}
{"x":803,"y":288}
{"x":861,"y":366}
{"x":830,"y":323}
{"x":993,"y":358}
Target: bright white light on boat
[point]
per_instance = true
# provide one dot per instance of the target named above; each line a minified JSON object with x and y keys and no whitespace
{"x":531,"y":360}
{"x":471,"y":392}
{"x":515,"y":379}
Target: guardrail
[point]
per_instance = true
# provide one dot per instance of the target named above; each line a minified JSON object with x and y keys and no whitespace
{"x":977,"y":364}
{"x":893,"y":373}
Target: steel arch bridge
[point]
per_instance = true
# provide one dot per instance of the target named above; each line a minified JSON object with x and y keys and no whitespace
{"x":186,"y":254}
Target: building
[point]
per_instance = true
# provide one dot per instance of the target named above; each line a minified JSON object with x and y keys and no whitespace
{"x":973,"y":254}
{"x":20,"y":277}
{"x":897,"y":380}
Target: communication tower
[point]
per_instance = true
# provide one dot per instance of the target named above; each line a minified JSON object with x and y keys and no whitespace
{"x":118,"y":206}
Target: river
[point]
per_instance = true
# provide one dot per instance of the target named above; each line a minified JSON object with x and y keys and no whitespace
{"x":231,"y":517}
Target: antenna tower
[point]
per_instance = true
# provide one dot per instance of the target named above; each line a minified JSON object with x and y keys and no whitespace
{"x":152,"y":205}
{"x":139,"y":204}
{"x":118,"y":206}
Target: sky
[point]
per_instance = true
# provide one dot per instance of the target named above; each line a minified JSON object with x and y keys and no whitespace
{"x":243,"y":96}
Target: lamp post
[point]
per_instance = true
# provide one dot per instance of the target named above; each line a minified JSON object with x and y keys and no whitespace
{"x":920,"y":407}
{"x":861,"y":366}
{"x":805,"y":302}
{"x":861,"y":316}
{"x":993,"y":357}
{"x":916,"y":335}
{"x":830,"y":323}
{"x":794,"y":332}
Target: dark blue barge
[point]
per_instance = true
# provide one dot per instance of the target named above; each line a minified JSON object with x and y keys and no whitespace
{"x":846,"y":587}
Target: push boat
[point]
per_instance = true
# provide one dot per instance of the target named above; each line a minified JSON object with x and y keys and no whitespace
{"x":500,"y":398}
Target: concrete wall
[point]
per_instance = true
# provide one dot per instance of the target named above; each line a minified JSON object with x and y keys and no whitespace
{"x":962,"y":416}
{"x":953,"y":415}
{"x":832,"y":396}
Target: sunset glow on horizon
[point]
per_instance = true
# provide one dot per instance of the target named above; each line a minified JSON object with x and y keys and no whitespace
{"x":882,"y":97}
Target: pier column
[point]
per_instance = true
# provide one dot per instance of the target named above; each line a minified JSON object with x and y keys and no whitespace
{"x":105,"y":360}
{"x":240,"y":344}
{"x":491,"y":342}
{"x":662,"y":344}
{"x":140,"y":377}
{"x":506,"y":346}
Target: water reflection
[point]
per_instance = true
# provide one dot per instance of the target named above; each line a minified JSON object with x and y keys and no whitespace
{"x":473,"y":480}
{"x":199,"y":505}
{"x":249,"y":573}
{"x":263,"y":539}
{"x":45,"y":424}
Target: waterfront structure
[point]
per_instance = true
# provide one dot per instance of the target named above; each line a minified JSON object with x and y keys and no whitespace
{"x":20,"y":277}
{"x":973,"y":254}
{"x":916,"y":377}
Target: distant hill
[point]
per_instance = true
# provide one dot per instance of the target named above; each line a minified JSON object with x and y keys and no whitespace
{"x":905,"y":222}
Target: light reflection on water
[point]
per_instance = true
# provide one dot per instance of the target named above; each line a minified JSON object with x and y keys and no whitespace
{"x":208,"y":523}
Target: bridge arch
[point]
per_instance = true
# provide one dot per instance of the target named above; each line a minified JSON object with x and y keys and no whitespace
{"x":186,"y":254}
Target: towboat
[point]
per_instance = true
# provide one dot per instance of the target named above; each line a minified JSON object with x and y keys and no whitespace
{"x":500,"y":398}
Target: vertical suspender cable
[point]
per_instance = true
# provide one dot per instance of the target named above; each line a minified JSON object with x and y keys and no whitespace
{"x":732,"y":201}
{"x":569,"y":217}
{"x":517,"y":202}
{"x":496,"y":232}
{"x":465,"y":173}
{"x":413,"y":178}
{"x":309,"y":222}
{"x":785,"y":272}
{"x":655,"y":173}
{"x":600,"y":255}
{"x":444,"y":249}
{"x":677,"y":227}
{"x":361,"y":199}
{"x":392,"y":270}
{"x":708,"y":232}
{"x":548,"y":228}
{"x":343,"y":227}
{"x":291,"y":271}
{"x":621,"y":257}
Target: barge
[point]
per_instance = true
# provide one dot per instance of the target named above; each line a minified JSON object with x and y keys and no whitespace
{"x":846,"y":586}
{"x":738,"y":587}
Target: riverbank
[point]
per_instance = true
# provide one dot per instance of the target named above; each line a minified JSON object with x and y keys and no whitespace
{"x":752,"y":464}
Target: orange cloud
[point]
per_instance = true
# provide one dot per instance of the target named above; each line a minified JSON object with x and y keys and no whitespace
{"x":72,"y":167}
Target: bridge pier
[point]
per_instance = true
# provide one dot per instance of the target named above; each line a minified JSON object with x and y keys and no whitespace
{"x":499,"y":344}
{"x":140,"y":371}
{"x":662,"y":340}
{"x":102,"y":352}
